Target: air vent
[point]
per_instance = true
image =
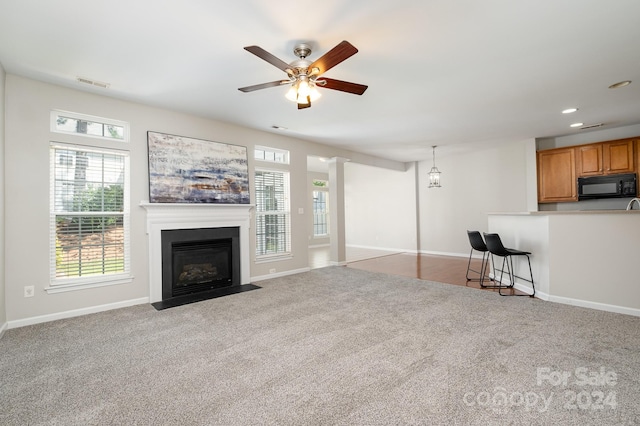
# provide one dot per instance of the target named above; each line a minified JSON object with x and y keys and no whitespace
{"x":92,"y":82}
{"x":591,"y":126}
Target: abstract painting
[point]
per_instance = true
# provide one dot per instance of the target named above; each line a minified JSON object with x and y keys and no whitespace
{"x":188,"y":170}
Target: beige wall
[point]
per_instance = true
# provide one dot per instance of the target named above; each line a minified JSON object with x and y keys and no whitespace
{"x":474,"y":183}
{"x":3,"y":311}
{"x":380,"y":207}
{"x":476,"y":180}
{"x":593,"y":258}
{"x":28,"y":107}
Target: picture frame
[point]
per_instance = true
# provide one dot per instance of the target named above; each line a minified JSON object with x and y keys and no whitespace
{"x":190,"y":170}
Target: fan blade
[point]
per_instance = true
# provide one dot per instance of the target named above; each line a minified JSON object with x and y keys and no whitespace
{"x":343,"y":86}
{"x":263,"y":54}
{"x":307,"y":105}
{"x":264,"y":85}
{"x":342,"y":51}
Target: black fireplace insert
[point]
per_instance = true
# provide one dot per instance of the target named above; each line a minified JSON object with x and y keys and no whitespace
{"x":199,"y":260}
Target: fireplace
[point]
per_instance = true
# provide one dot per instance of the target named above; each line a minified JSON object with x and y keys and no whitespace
{"x":199,"y":260}
{"x":163,"y":217}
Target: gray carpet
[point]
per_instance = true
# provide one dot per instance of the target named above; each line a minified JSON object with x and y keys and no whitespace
{"x":334,"y":346}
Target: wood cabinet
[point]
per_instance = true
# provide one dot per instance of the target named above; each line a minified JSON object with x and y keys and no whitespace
{"x":618,"y":156}
{"x":559,"y":168}
{"x":557,"y":175}
{"x":638,"y":163}
{"x":605,"y":158}
{"x":589,"y":160}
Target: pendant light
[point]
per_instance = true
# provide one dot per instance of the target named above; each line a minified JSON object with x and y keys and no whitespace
{"x":434,"y":173}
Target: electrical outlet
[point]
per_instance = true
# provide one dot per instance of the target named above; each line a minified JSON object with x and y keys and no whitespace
{"x":272,"y":270}
{"x":29,"y":291}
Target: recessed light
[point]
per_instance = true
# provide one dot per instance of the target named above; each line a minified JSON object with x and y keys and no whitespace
{"x":569,"y":110}
{"x":620,"y":84}
{"x":577,"y":124}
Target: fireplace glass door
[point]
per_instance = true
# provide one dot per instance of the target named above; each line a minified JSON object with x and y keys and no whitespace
{"x":199,"y":266}
{"x":198,"y":260}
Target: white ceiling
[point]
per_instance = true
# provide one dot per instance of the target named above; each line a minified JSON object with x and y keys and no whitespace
{"x":452,"y":73}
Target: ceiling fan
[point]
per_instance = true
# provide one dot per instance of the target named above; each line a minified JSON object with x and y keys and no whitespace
{"x":305,"y":76}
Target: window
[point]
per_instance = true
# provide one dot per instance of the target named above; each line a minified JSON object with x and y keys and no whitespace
{"x":89,"y":126}
{"x":271,"y":154}
{"x":273,"y":229}
{"x":320,"y":208}
{"x":320,"y":214}
{"x":89,"y":215}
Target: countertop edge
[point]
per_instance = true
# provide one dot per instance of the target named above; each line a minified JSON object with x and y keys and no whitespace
{"x":568,"y":212}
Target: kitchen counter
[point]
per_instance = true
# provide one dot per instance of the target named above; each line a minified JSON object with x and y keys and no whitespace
{"x":567,"y":212}
{"x":585,"y":258}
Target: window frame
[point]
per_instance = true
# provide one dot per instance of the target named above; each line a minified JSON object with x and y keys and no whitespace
{"x":90,"y":118}
{"x":57,"y":284}
{"x":320,"y":190}
{"x":287,"y":254}
{"x":285,"y":153}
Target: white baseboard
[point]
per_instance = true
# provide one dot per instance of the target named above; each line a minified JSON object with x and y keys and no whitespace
{"x":279,"y":274}
{"x":414,"y":251}
{"x":333,"y":263}
{"x":578,"y":302}
{"x":4,"y":327}
{"x":395,"y":250}
{"x":76,"y":312}
{"x":444,"y":253}
{"x":596,"y":305}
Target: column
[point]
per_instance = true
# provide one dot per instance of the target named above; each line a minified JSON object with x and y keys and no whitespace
{"x":337,"y":250}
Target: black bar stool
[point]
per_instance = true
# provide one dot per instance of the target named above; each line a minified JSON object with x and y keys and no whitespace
{"x":477,"y":244}
{"x":495,"y":246}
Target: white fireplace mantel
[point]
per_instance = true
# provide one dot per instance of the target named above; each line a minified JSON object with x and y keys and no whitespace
{"x":163,"y":216}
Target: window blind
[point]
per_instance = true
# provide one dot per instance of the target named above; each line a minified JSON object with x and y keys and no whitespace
{"x":273,"y":233}
{"x":89,"y":213}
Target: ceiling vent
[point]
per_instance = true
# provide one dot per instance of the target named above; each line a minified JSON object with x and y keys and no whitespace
{"x":591,"y":126}
{"x":92,"y":82}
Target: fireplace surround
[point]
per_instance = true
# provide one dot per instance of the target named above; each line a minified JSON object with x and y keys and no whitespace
{"x":170,"y":216}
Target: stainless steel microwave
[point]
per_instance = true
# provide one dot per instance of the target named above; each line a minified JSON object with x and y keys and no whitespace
{"x":609,"y":186}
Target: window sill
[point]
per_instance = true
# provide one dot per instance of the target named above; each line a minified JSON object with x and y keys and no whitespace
{"x":275,"y":258}
{"x":89,"y":283}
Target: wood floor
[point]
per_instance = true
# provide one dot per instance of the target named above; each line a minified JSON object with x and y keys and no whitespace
{"x":443,"y":269}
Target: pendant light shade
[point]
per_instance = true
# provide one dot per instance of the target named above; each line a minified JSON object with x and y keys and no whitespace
{"x":434,"y":173}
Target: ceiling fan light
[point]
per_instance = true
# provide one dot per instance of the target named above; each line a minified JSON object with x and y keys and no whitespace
{"x":304,"y":89}
{"x":292,"y":93}
{"x":314,"y":94}
{"x":303,"y":73}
